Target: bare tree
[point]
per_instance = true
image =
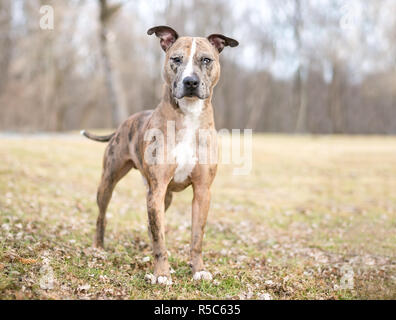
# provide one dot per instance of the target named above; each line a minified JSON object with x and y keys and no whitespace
{"x":113,"y":83}
{"x":299,"y":96}
{"x":335,"y":94}
{"x":5,"y":41}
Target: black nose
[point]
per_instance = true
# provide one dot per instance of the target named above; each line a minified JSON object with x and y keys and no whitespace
{"x":191,"y":82}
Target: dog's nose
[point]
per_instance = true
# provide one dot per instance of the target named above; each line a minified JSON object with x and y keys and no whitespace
{"x":191,"y":82}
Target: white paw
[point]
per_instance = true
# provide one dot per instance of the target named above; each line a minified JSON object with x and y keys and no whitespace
{"x":150,"y":278}
{"x":163,"y":280}
{"x":202,"y":275}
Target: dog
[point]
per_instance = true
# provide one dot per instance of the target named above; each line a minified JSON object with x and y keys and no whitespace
{"x":191,"y":71}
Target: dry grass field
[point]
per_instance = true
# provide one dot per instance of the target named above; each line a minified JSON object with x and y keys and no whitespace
{"x":314,"y":214}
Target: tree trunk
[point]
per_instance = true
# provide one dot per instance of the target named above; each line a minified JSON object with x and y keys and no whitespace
{"x":113,"y":83}
{"x":5,"y":41}
{"x":335,"y":104}
{"x":258,"y":103}
{"x":299,"y":99}
{"x":301,"y":104}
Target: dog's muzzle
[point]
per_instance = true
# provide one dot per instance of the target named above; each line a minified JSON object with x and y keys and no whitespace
{"x":189,"y":87}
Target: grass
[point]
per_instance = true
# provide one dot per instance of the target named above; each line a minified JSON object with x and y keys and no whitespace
{"x":311,"y":207}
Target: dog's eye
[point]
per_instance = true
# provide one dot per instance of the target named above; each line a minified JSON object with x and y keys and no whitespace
{"x":206,"y":61}
{"x":177,"y":60}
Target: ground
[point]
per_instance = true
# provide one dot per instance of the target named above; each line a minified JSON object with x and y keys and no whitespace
{"x":315,"y":219}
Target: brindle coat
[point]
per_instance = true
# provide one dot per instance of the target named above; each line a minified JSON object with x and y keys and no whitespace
{"x":127,"y":145}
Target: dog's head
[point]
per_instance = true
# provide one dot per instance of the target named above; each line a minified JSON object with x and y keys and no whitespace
{"x":192,"y":66}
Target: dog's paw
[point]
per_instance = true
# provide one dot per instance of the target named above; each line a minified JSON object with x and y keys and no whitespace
{"x":150,"y":278}
{"x":167,"y":281}
{"x":202,"y":275}
{"x":98,"y":246}
{"x":162,"y":280}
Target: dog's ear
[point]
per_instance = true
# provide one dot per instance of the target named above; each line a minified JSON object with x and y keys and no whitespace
{"x":167,"y":35}
{"x":219,"y":41}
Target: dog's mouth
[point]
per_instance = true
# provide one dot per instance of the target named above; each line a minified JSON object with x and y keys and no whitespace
{"x":189,"y":95}
{"x":180,"y":92}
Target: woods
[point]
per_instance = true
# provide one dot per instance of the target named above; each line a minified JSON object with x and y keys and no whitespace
{"x":301,"y":67}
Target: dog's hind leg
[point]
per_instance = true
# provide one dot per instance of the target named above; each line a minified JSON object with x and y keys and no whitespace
{"x":114,"y":169}
{"x":105,"y":191}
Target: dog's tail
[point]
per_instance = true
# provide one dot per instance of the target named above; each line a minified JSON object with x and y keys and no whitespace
{"x":97,"y":138}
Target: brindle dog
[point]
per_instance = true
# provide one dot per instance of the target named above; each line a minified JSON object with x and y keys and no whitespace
{"x":191,"y":71}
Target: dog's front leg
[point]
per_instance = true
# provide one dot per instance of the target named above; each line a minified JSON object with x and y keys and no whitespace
{"x":200,"y":208}
{"x":156,"y":213}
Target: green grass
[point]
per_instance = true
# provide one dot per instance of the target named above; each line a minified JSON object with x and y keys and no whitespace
{"x":310,"y":207}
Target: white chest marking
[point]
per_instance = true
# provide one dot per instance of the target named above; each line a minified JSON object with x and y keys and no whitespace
{"x":189,"y":70}
{"x":185,"y":149}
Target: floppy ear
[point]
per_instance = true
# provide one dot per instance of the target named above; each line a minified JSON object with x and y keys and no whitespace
{"x":220,"y":41}
{"x":167,"y":35}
